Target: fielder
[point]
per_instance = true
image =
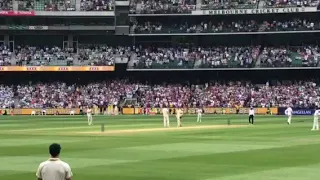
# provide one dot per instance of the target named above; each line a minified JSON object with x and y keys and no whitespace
{"x":72,"y":112}
{"x":179,"y":114}
{"x":33,"y":113}
{"x":54,"y":168}
{"x":315,"y":126}
{"x":116,"y":111}
{"x":199,"y":112}
{"x":89,"y":115}
{"x":288,"y":112}
{"x":166,"y":121}
{"x":44,"y":111}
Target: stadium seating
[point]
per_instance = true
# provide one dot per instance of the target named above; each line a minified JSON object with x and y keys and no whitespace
{"x":224,"y":27}
{"x":295,"y":3}
{"x":6,"y":5}
{"x":57,"y":56}
{"x":100,"y":5}
{"x":161,"y":58}
{"x":168,"y":6}
{"x":293,"y":56}
{"x":212,"y":94}
{"x":162,"y":7}
{"x":155,"y":52}
{"x":229,"y":4}
{"x":226,"y":57}
{"x":61,"y":5}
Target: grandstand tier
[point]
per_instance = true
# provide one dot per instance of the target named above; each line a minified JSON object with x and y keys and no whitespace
{"x":264,"y":88}
{"x":50,"y":35}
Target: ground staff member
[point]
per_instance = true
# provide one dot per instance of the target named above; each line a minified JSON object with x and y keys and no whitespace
{"x":54,"y":168}
{"x":251,"y":115}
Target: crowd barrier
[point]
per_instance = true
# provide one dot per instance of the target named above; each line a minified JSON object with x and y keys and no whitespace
{"x":27,"y":111}
{"x":138,"y":110}
{"x":206,"y":110}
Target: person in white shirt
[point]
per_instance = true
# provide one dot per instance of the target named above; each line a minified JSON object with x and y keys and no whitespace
{"x":44,"y":111}
{"x":179,"y":114}
{"x":72,"y":112}
{"x":165,"y":113}
{"x":89,"y":115}
{"x":54,"y":168}
{"x":199,"y":112}
{"x":116,"y":111}
{"x":251,"y":115}
{"x":33,"y":113}
{"x":315,"y":126}
{"x":288,"y":112}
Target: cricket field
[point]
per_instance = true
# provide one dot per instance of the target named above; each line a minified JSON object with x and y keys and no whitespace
{"x":138,"y":148}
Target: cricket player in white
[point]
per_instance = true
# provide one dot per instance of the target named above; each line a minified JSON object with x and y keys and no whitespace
{"x":166,"y":121}
{"x":251,"y":115}
{"x":199,"y":112}
{"x":179,"y":114}
{"x":44,"y":112}
{"x":288,"y":112}
{"x":89,"y":115}
{"x":72,"y":112}
{"x":33,"y":113}
{"x":54,"y":168}
{"x":316,"y":120}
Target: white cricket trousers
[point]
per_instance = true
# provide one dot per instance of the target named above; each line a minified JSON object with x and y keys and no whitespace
{"x":199,"y":118}
{"x":289,"y":119}
{"x":166,"y":121}
{"x":315,"y":123}
{"x":178,"y":121}
{"x":89,"y":119}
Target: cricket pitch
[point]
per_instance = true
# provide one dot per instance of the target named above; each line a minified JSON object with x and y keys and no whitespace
{"x":134,"y":131}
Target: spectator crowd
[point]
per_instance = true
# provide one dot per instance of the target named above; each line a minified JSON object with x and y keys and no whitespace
{"x":153,"y":6}
{"x":211,"y":94}
{"x":204,"y":57}
{"x":307,"y":56}
{"x":293,"y":3}
{"x":229,"y":4}
{"x":163,"y":57}
{"x":68,"y":96}
{"x":224,"y":26}
{"x":97,"y":5}
{"x":186,"y":6}
{"x":42,"y":56}
{"x":6,"y":5}
{"x":232,"y":57}
{"x":162,"y":7}
{"x":59,"y":5}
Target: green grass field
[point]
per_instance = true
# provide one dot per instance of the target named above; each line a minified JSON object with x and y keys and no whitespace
{"x":269,"y":150}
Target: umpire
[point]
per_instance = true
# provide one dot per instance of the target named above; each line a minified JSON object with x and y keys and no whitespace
{"x":251,"y":115}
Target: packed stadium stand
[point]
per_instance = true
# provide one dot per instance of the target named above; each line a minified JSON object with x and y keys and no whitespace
{"x":64,"y":5}
{"x":226,"y":27}
{"x":224,"y":53}
{"x":211,"y":94}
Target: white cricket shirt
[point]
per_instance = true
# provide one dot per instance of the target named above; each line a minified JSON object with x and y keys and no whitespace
{"x":54,"y":169}
{"x":89,"y":111}
{"x":317,"y":113}
{"x":288,"y":111}
{"x":165,"y":112}
{"x":251,"y":112}
{"x":179,"y":113}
